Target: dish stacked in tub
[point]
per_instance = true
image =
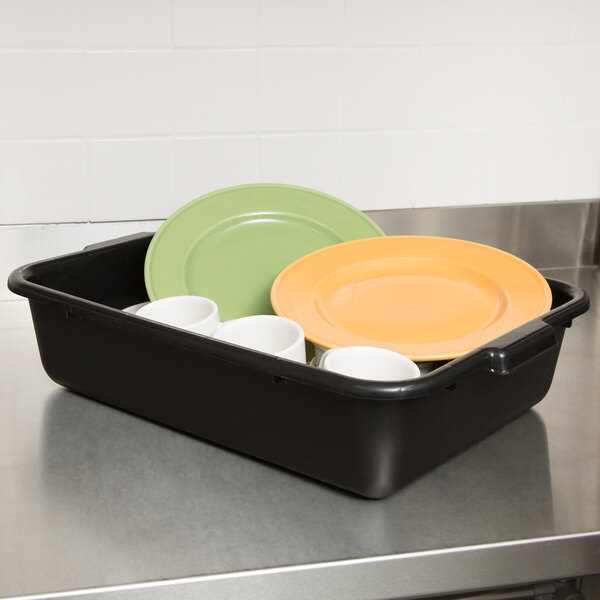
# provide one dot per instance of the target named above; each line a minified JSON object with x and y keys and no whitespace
{"x":314,"y":259}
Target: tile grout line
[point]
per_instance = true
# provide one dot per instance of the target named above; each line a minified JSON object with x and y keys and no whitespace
{"x":258,"y":111}
{"x":491,"y":127}
{"x":285,"y":132}
{"x":417,"y":117}
{"x":340,"y":107}
{"x":275,"y":48}
{"x":565,"y":91}
{"x":173,"y":116}
{"x":86,"y":114}
{"x":367,"y":210}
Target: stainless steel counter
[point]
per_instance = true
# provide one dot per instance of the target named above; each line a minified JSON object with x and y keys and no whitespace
{"x":95,"y":501}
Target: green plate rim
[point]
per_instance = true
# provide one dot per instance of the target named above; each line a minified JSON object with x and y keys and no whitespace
{"x":377,"y":231}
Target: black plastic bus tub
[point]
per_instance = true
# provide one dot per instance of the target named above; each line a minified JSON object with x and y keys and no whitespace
{"x":370,"y":438}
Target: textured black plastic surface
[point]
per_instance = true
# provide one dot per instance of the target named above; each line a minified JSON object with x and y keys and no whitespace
{"x":370,"y":438}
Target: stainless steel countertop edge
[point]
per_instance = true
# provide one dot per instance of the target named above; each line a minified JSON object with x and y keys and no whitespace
{"x":424,"y":573}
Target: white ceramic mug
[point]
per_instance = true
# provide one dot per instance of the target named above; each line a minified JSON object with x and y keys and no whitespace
{"x":368,"y":362}
{"x":266,"y":333}
{"x":194,"y":313}
{"x":133,"y":309}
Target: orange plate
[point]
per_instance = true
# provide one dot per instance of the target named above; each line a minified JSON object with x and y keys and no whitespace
{"x":429,"y":298}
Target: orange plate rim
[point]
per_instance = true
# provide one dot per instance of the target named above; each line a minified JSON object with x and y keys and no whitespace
{"x":430,"y":356}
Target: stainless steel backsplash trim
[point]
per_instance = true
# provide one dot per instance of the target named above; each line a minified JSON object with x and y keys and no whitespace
{"x":545,"y":234}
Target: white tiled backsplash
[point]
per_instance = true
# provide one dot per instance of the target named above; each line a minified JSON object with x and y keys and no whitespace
{"x":123,"y":110}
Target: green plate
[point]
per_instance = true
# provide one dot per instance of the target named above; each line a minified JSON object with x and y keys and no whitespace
{"x":230,"y":245}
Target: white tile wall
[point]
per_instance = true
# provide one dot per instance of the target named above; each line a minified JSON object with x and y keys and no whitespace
{"x":34,"y":24}
{"x":382,"y":22}
{"x":581,"y":157}
{"x":128,"y":93}
{"x":530,"y":85}
{"x":298,"y":90}
{"x":586,"y":21}
{"x":462,"y":162}
{"x":42,"y":94}
{"x":215,"y":24}
{"x":209,"y":163}
{"x":583,"y":84}
{"x":534,"y":22}
{"x":307,"y":23}
{"x":307,"y":160}
{"x":460,"y":22}
{"x":524,"y":164}
{"x":380,"y":88}
{"x":42,"y":182}
{"x":376,"y":169}
{"x":131,"y":24}
{"x":126,"y":109}
{"x":456,"y":86}
{"x":128,"y":178}
{"x":202,"y":104}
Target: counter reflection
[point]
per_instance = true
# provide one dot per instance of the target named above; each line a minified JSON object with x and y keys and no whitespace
{"x":152,"y":501}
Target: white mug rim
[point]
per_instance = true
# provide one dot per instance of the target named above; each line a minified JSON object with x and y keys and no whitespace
{"x":212,"y":315}
{"x":296,"y":347}
{"x":405,"y":360}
